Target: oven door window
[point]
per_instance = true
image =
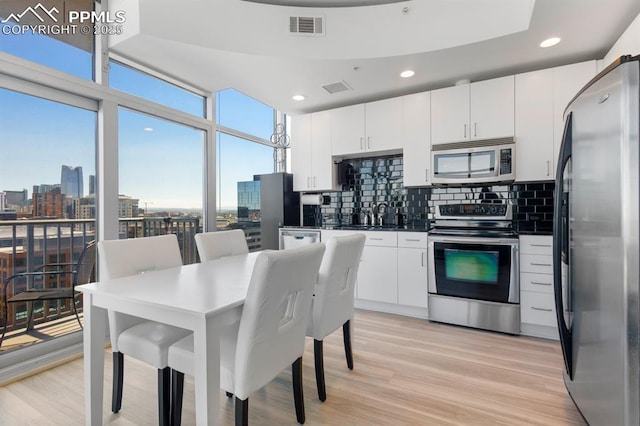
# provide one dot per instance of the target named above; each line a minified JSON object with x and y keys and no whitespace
{"x":473,"y":271}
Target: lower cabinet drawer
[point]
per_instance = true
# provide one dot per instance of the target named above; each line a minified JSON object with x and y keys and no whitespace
{"x":540,"y":283}
{"x":537,"y":308}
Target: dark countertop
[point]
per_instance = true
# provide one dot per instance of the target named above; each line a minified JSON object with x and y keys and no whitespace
{"x":406,"y":228}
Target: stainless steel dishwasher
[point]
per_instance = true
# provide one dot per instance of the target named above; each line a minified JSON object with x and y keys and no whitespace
{"x":292,"y":238}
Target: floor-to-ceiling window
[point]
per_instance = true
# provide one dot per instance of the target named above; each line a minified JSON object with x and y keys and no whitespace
{"x":160,"y":179}
{"x":47,"y":204}
{"x":244,"y":151}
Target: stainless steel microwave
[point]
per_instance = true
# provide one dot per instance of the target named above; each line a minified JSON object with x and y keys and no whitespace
{"x":475,"y":162}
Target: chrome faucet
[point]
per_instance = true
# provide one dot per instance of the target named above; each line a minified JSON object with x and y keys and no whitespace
{"x":377,"y":217}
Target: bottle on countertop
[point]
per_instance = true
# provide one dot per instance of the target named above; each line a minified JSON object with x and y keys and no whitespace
{"x":355,"y":217}
{"x":399,"y":219}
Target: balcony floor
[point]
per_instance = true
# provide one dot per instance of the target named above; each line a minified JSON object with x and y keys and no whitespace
{"x":48,"y":330}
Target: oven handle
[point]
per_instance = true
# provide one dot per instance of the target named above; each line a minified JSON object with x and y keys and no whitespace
{"x":474,"y":240}
{"x":514,"y":282}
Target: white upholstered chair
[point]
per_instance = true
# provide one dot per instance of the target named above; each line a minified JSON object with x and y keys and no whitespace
{"x":270,"y":335}
{"x":144,"y":340}
{"x":217,"y":244}
{"x":333,"y":299}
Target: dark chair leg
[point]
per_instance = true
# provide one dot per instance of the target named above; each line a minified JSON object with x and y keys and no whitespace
{"x":346,"y":334}
{"x":164,"y":396}
{"x":118,"y":377}
{"x":229,"y":395}
{"x":75,"y":311}
{"x":319,"y":361}
{"x":242,"y":412}
{"x":4,"y":321}
{"x":298,"y":394}
{"x":177,"y":389}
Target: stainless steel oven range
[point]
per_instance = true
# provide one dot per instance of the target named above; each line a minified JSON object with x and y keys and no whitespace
{"x":473,"y":267}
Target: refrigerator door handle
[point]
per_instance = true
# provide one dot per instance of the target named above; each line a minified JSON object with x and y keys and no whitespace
{"x":560,"y":241}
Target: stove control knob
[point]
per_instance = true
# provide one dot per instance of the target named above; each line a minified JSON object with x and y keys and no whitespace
{"x":493,"y":210}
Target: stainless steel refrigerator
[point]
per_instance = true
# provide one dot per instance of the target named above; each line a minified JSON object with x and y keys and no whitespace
{"x":596,"y":246}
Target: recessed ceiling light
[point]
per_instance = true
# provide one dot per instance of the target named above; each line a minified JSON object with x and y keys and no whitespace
{"x":407,"y":74}
{"x":148,"y":129}
{"x":298,"y":97}
{"x":550,"y":42}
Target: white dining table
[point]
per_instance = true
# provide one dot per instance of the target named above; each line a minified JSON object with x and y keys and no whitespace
{"x":201,"y":297}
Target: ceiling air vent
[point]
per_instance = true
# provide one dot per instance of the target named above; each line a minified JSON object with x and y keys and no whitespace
{"x":340,"y":86}
{"x":306,"y":25}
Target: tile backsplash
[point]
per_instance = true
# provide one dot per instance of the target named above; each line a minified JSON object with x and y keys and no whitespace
{"x":378,"y":181}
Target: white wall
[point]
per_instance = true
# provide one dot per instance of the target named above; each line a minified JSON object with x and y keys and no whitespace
{"x":627,"y":44}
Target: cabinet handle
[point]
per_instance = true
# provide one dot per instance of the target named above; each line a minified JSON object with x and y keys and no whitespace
{"x":308,"y":181}
{"x":315,"y":183}
{"x":465,"y":131}
{"x":540,"y":309}
{"x":361,"y":140}
{"x":426,"y":175}
{"x":375,"y":239}
{"x":412,"y":239}
{"x":548,"y":168}
{"x":539,"y":264}
{"x":537,"y":283}
{"x":422,"y":259}
{"x":475,"y":130}
{"x":540,"y":245}
{"x":368,"y":142}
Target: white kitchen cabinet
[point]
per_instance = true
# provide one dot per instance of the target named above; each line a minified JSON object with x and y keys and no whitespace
{"x":378,"y":274}
{"x":347,"y":130}
{"x":541,"y":98}
{"x":367,"y":128}
{"x":537,"y":304}
{"x":534,"y":126}
{"x":567,"y":81}
{"x":311,"y":162}
{"x":416,"y":129}
{"x":482,"y":110}
{"x":412,"y":269}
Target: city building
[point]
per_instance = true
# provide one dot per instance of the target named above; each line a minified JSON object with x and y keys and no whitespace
{"x":45,"y":187}
{"x":71,"y":181}
{"x":52,"y":204}
{"x":85,"y":207}
{"x":92,"y":184}
{"x":17,"y":200}
{"x":3,"y":201}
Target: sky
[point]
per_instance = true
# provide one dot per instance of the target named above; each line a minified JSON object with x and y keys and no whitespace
{"x":160,"y":162}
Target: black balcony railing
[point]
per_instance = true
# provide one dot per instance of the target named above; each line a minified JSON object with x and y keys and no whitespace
{"x":26,"y":245}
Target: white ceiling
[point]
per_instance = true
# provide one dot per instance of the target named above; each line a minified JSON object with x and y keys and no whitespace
{"x":217,"y":44}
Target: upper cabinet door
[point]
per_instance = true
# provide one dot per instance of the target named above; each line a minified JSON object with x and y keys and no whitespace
{"x":347,"y":130}
{"x":322,"y":164}
{"x":450,"y":114}
{"x":492,"y":108}
{"x":416,"y":130}
{"x":534,"y":126}
{"x":383,"y":125}
{"x":567,"y":80}
{"x":301,"y":152}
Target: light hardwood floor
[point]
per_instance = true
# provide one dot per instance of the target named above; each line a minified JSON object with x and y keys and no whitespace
{"x":406,"y":372}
